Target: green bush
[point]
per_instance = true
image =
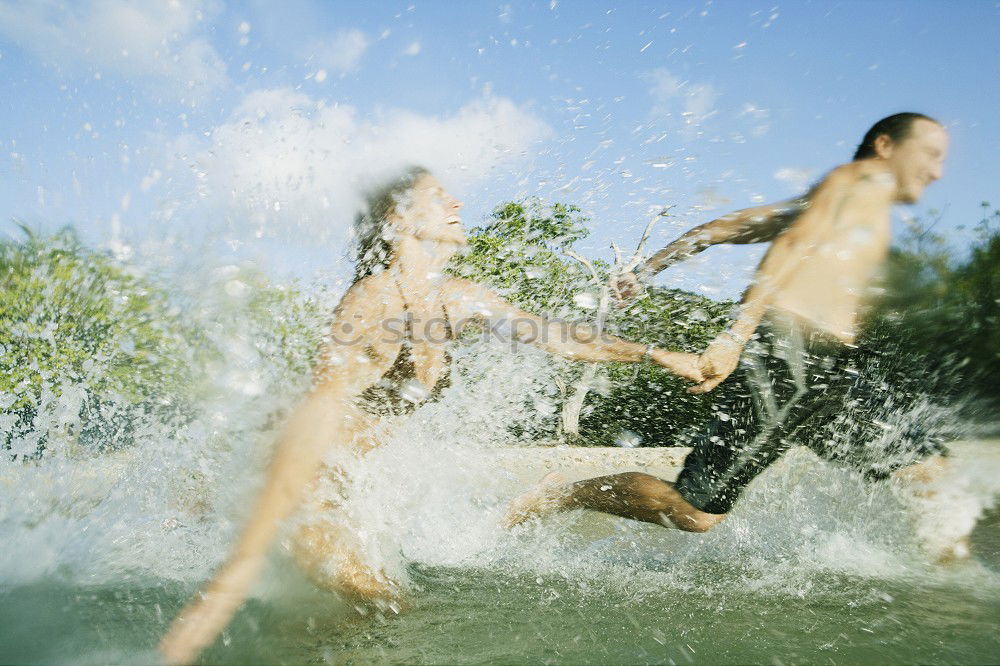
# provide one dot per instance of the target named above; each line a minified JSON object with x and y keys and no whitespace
{"x":976,"y":287}
{"x":90,"y":349}
{"x":520,"y":254}
{"x":937,"y":321}
{"x":77,"y":326}
{"x":642,"y":401}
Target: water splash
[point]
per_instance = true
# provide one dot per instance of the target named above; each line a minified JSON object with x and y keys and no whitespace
{"x":169,"y":506}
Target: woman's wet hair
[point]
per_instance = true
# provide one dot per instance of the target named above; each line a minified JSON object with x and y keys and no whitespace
{"x":373,"y":236}
{"x":896,"y":127}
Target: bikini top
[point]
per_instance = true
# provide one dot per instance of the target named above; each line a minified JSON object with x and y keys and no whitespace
{"x":399,"y":391}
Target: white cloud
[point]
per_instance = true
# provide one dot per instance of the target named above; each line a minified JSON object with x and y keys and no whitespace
{"x":342,"y":53}
{"x":285,"y":160}
{"x":412,"y":50}
{"x":797,"y":178}
{"x":158,"y":43}
{"x":674,"y":97}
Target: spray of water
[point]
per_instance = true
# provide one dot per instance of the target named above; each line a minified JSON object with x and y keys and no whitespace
{"x":160,"y":500}
{"x":168,"y":505}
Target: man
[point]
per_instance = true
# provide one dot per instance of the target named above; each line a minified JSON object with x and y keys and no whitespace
{"x":795,"y":332}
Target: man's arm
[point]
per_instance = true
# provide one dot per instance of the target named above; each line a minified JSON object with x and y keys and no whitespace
{"x":751,"y":225}
{"x":842,"y":194}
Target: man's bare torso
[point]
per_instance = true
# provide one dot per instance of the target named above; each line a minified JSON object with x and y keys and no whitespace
{"x":830,"y":289}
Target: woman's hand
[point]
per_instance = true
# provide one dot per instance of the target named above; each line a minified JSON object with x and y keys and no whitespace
{"x":717,"y":362}
{"x":679,"y":363}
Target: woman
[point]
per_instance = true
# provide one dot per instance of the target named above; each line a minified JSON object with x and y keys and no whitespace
{"x":385,"y":354}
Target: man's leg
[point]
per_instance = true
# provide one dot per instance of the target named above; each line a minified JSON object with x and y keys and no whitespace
{"x":733,"y":450}
{"x":874,"y":425}
{"x":741,"y":442}
{"x":630,"y":495}
{"x":924,"y":472}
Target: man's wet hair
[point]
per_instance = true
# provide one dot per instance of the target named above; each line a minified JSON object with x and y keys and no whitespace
{"x":896,"y":127}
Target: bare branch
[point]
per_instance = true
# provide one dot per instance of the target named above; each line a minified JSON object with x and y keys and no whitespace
{"x":593,"y":271}
{"x":649,"y":230}
{"x":603,"y":303}
{"x":618,"y":256}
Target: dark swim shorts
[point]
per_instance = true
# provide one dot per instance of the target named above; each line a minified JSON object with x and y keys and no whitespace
{"x":798,"y":388}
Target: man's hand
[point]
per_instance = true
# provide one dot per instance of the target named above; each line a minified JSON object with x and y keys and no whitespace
{"x":626,"y":287}
{"x":717,"y":363}
{"x":679,"y":363}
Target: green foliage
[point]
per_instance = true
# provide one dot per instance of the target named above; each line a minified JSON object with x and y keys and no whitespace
{"x":939,"y":317}
{"x":520,"y":254}
{"x":90,"y":350}
{"x":72,"y":317}
{"x":642,"y":399}
{"x":290,"y":326}
{"x":976,"y":285}
{"x":283,"y":323}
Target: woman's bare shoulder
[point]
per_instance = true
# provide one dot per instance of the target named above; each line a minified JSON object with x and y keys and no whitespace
{"x":455,"y":286}
{"x":372,"y":294}
{"x":466,"y":299}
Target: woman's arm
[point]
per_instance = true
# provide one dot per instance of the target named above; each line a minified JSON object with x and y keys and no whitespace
{"x":350,"y":362}
{"x":469,"y":301}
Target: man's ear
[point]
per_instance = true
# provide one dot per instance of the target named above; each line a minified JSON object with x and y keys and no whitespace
{"x":883,"y":146}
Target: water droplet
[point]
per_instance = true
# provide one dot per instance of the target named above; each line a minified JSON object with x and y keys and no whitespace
{"x":585,"y":300}
{"x":413,"y":391}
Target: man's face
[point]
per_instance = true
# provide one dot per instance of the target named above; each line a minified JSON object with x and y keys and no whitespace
{"x":917,"y":160}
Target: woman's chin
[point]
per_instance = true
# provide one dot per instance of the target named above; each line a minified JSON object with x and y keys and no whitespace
{"x":450,"y":238}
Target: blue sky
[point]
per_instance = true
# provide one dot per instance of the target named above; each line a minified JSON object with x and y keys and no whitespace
{"x":233,"y":130}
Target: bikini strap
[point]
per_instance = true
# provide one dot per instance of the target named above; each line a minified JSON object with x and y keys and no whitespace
{"x":409,"y":323}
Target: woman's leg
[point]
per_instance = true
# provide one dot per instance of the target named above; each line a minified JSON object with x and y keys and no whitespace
{"x":326,"y":552}
{"x":324,"y":545}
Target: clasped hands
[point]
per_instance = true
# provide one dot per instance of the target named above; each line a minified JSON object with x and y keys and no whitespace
{"x":709,"y":369}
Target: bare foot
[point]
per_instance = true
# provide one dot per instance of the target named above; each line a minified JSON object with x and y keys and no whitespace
{"x":316,"y":544}
{"x":360,"y":582}
{"x":956,"y":553}
{"x":544,"y":498}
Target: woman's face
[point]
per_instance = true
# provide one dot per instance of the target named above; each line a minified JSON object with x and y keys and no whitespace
{"x":430,"y":213}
